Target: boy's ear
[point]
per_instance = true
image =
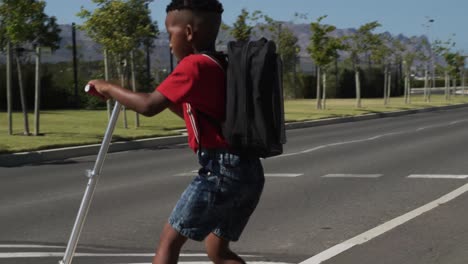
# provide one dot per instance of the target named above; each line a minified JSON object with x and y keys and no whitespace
{"x":189,"y":33}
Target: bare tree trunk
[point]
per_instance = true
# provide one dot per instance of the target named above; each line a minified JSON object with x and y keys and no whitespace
{"x":409,"y":86}
{"x":324,"y":98}
{"x":405,"y":81}
{"x":9,"y":92}
{"x":431,"y":85}
{"x":447,"y":97}
{"x":106,"y":77}
{"x":319,"y":103}
{"x":295,"y":77}
{"x":454,"y":90}
{"x":132,"y":65}
{"x":385,"y":84}
{"x":358,"y":89}
{"x":22,"y":96}
{"x":426,"y":84}
{"x":37,"y":95}
{"x":337,"y":74}
{"x":463,"y":82}
{"x":389,"y":89}
{"x":122,"y":83}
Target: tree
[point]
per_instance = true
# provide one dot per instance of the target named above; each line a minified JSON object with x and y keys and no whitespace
{"x":382,"y":55}
{"x":24,"y":25}
{"x":323,"y":50}
{"x":5,"y":44}
{"x":423,"y":54}
{"x":409,"y":57}
{"x":286,"y":41}
{"x":286,"y":44}
{"x":455,"y":65}
{"x":243,"y":27}
{"x":119,"y":37}
{"x":362,"y":43}
{"x":460,"y":64}
{"x":443,"y":49}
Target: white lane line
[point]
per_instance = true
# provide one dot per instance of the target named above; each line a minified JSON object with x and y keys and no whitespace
{"x":336,"y":144}
{"x":61,"y":254}
{"x":285,"y":175}
{"x":290,"y":175}
{"x":187,"y":174}
{"x":437,"y":176}
{"x":458,"y":121}
{"x":209,"y":262}
{"x":383,"y":228}
{"x":28,"y":246}
{"x":367,"y":176}
{"x":365,"y":139}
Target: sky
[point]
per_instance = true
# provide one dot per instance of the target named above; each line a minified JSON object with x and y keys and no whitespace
{"x":407,"y":17}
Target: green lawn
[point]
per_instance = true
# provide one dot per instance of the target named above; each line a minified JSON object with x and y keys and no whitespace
{"x":78,"y":127}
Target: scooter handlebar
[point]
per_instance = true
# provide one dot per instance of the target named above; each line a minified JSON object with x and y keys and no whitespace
{"x":90,"y":89}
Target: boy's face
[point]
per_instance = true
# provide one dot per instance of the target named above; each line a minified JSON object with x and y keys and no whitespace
{"x":180,"y":33}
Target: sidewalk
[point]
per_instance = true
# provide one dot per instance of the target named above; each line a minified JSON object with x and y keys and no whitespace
{"x":34,"y":157}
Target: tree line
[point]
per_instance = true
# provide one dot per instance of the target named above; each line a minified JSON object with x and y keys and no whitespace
{"x":363,"y":63}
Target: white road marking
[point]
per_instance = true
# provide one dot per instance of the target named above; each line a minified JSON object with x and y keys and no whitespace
{"x":290,"y":175}
{"x":335,"y":144}
{"x":187,"y":174}
{"x":61,"y":254}
{"x":365,"y":139}
{"x":352,"y":176}
{"x":28,"y":246}
{"x":424,"y":128}
{"x":437,"y":176}
{"x":383,"y":228}
{"x":458,"y":121}
{"x":209,"y":262}
{"x":286,"y":175}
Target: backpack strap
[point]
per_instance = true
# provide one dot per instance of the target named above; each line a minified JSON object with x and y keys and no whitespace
{"x":221,"y":60}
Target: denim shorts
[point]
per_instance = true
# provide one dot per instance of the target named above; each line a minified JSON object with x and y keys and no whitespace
{"x":221,"y":198}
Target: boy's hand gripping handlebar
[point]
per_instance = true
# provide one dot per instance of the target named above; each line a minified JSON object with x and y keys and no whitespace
{"x":90,"y":89}
{"x":93,"y":176}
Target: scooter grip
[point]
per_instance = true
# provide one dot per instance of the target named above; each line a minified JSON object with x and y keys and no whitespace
{"x":90,"y":89}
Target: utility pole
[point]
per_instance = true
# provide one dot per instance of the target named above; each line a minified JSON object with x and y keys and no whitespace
{"x":431,"y":21}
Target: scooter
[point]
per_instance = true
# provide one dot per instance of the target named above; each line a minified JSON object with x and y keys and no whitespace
{"x":93,"y":176}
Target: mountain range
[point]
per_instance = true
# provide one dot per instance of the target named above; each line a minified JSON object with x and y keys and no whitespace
{"x":88,"y":50}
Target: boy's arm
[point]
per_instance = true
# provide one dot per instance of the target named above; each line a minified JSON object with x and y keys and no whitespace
{"x":147,"y":104}
{"x":177,"y":109}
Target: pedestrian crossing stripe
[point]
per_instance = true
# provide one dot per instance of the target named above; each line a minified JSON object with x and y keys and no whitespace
{"x":16,"y":255}
{"x":61,"y":254}
{"x":438,"y":176}
{"x":352,"y":176}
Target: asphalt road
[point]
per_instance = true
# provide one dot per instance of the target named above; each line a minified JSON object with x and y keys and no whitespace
{"x":389,"y":190}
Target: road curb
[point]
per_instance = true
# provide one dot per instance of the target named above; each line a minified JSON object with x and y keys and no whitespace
{"x":18,"y":159}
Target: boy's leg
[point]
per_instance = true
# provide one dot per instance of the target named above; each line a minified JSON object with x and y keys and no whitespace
{"x":169,"y":246}
{"x":219,"y":252}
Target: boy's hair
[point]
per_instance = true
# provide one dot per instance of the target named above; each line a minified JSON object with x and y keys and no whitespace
{"x":207,"y":17}
{"x":196,"y":6}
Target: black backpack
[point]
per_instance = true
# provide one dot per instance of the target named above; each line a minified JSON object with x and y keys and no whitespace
{"x":254,"y":99}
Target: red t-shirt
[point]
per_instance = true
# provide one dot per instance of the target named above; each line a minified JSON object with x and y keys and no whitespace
{"x":198,"y":84}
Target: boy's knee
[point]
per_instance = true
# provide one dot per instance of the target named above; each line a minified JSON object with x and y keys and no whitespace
{"x":171,"y":239}
{"x":215,"y":253}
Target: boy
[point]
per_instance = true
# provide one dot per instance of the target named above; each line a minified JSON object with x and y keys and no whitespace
{"x":216,"y":206}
